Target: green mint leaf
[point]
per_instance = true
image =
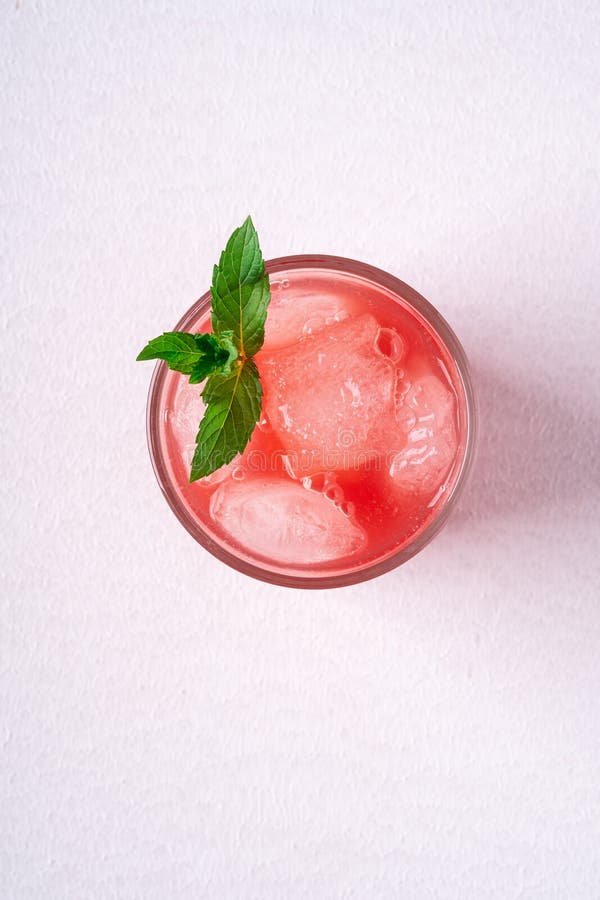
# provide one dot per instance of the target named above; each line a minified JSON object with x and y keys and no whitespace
{"x":240,"y":291}
{"x":197,"y":355}
{"x":233,"y":404}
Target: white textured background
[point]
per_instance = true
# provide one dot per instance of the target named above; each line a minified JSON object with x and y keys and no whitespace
{"x":170,"y":729}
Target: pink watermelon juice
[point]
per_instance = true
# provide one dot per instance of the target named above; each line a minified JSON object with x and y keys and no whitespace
{"x":365,"y":435}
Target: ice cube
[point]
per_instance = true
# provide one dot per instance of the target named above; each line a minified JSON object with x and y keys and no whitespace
{"x":291,"y":316}
{"x":184,"y":417}
{"x":324,"y":395}
{"x":281,"y":520}
{"x":426,"y":415}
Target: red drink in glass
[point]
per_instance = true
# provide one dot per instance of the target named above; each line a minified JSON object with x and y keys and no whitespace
{"x":365,"y":438}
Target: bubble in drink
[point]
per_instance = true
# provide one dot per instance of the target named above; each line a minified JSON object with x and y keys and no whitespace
{"x":390,"y":344}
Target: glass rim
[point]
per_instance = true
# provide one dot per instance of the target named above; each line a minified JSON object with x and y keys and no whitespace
{"x":370,"y":569}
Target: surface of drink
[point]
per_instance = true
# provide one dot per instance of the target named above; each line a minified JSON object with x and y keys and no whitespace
{"x":360,"y":441}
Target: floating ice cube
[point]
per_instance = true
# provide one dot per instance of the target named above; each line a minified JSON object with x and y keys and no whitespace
{"x":184,"y":418}
{"x":324,"y":395}
{"x":291,"y":316}
{"x":188,"y":409}
{"x":425,"y":414}
{"x":281,"y":520}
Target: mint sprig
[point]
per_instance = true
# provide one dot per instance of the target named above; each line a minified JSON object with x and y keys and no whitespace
{"x":233,"y":392}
